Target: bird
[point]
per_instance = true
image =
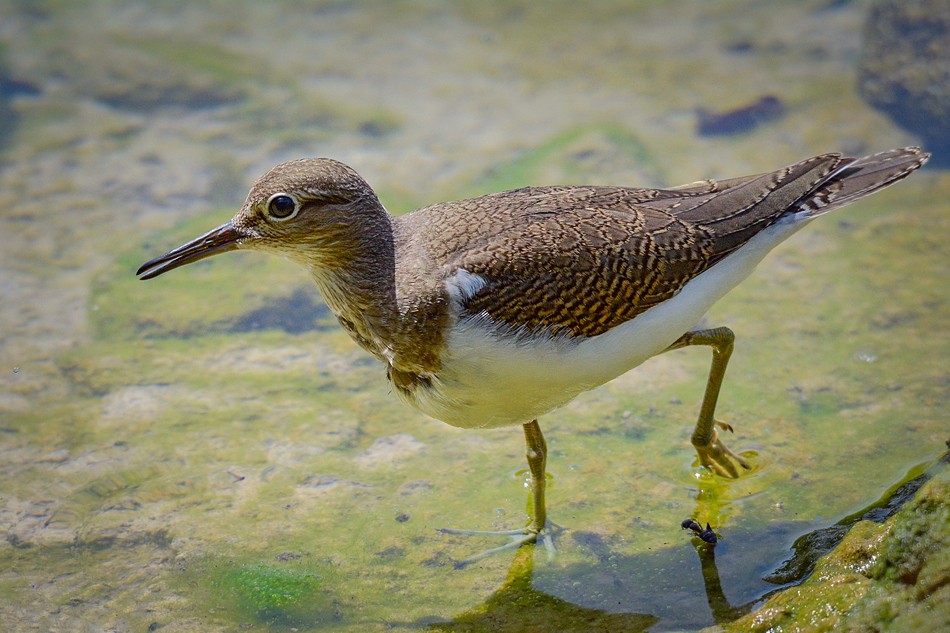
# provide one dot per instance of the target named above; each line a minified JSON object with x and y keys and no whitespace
{"x":496,"y":310}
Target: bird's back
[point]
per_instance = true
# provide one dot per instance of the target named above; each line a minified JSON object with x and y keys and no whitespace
{"x":582,"y":260}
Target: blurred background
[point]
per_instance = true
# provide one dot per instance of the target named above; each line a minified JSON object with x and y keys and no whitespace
{"x":208,"y":451}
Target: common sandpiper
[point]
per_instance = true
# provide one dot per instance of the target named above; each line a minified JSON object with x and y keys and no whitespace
{"x":495,"y":310}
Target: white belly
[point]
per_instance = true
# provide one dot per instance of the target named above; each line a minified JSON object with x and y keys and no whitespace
{"x":488,"y":380}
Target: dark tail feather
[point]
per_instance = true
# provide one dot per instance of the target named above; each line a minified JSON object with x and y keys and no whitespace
{"x":856,"y":178}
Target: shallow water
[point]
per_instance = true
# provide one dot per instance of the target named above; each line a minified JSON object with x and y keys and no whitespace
{"x":183,"y":455}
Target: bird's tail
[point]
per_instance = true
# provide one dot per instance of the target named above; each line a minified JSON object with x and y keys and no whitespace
{"x":855,"y":178}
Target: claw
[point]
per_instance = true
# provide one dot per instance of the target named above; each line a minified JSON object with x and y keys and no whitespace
{"x":717,"y":457}
{"x":725,"y":426}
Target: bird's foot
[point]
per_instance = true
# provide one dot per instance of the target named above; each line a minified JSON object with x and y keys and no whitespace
{"x":717,"y":457}
{"x":518,"y":537}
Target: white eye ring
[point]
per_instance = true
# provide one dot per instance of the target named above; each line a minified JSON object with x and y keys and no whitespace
{"x":282,"y":206}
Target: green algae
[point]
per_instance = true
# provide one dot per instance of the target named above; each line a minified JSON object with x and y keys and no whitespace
{"x":278,"y":595}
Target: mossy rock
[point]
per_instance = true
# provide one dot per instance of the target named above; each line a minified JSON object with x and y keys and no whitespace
{"x":905,"y":68}
{"x":893,"y":576}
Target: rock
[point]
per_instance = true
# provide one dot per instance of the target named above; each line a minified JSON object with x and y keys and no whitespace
{"x":904,"y":68}
{"x":891,"y":576}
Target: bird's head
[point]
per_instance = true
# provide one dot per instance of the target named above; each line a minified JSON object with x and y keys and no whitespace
{"x":315,"y":211}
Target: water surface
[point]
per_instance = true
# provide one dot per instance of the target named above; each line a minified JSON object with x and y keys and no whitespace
{"x":209,"y":451}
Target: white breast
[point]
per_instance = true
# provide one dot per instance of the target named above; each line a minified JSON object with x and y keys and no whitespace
{"x":489,"y":379}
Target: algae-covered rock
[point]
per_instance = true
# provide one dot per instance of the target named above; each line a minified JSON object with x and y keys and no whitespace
{"x":893,"y":576}
{"x":905,"y":66}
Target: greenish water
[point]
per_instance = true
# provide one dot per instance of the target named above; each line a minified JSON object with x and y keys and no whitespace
{"x":179,"y":455}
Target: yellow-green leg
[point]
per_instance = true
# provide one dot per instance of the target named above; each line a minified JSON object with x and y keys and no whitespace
{"x":712,"y":452}
{"x":537,"y":454}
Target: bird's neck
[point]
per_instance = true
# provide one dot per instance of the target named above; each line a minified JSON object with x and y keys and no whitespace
{"x":355,"y":272}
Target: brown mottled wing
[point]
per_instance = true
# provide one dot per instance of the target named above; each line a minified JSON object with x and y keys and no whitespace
{"x":584,"y":272}
{"x":580,"y":261}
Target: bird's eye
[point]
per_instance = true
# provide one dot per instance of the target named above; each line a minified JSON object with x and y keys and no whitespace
{"x":281,"y":206}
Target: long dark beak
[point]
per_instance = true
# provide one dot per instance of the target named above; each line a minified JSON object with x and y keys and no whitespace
{"x":220,"y":240}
